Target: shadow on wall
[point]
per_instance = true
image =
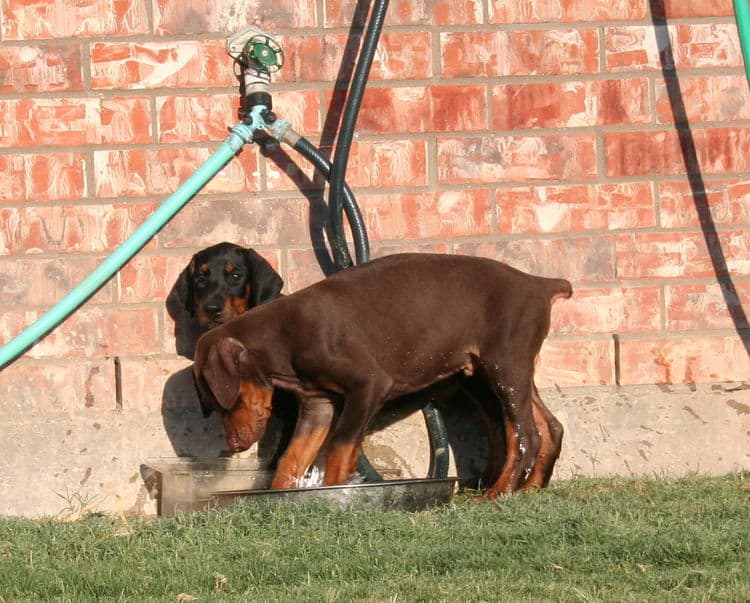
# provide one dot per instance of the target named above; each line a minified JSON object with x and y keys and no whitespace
{"x":695,"y":178}
{"x":190,"y":433}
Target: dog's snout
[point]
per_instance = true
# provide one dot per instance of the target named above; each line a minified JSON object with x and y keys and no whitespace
{"x":213,"y":308}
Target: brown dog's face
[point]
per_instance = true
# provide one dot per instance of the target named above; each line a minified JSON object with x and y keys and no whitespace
{"x":227,"y":384}
{"x":246,"y":423}
{"x":226,"y":280}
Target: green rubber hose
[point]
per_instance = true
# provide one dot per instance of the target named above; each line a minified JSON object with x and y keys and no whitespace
{"x":239,"y":136}
{"x":742,"y":16}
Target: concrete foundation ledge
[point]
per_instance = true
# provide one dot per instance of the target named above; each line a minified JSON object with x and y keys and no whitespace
{"x":66,"y":465}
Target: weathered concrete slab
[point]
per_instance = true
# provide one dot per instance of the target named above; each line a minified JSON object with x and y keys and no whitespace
{"x":57,"y":464}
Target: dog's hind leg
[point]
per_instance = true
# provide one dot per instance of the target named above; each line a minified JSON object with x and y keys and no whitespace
{"x":313,"y":425}
{"x":551,"y":434}
{"x":513,"y":390}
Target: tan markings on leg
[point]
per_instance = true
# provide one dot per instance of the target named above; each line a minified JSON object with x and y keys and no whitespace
{"x":341,"y":463}
{"x":546,"y":450}
{"x":299,"y":455}
{"x":505,"y":483}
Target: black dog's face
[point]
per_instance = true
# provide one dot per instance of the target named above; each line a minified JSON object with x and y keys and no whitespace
{"x":226,"y":280}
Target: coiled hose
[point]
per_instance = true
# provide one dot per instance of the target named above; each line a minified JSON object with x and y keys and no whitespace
{"x":341,"y":200}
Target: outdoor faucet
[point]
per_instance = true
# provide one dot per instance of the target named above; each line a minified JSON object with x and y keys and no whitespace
{"x":259,"y":55}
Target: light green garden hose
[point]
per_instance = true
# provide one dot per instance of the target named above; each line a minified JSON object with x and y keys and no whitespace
{"x":742,"y":15}
{"x":239,"y":136}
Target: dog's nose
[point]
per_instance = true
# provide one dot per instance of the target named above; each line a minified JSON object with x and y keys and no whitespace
{"x":213,"y":309}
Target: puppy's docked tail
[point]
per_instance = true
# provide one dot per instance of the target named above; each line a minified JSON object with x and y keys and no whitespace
{"x":558,"y":288}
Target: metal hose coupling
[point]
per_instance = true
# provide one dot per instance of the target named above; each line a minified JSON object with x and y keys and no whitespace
{"x":258,"y":55}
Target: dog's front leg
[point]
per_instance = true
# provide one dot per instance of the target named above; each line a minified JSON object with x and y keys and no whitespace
{"x":313,"y":424}
{"x":360,"y":405}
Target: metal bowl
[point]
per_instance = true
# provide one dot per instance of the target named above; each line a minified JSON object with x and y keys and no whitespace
{"x":402,"y":495}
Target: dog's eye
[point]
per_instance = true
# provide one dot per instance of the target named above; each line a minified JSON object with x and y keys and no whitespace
{"x":236,"y":277}
{"x":201,"y":277}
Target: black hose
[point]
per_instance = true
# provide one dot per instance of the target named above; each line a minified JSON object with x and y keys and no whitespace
{"x":346,"y":131}
{"x":353,"y":215}
{"x":341,"y":200}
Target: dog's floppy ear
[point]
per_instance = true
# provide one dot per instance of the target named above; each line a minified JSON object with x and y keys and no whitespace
{"x":265,"y":282}
{"x":222,"y":371}
{"x":189,"y":296}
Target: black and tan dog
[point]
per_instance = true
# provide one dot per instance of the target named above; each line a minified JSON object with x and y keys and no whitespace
{"x":373,"y":333}
{"x":225,"y":280}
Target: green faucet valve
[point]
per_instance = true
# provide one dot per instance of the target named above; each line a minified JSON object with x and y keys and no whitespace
{"x":256,"y":50}
{"x":263,"y":52}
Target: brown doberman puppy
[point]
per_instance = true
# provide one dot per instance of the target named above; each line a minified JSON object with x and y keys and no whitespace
{"x":378,"y":331}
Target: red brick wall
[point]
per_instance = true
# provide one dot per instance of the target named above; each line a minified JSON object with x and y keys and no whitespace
{"x":539,"y":132}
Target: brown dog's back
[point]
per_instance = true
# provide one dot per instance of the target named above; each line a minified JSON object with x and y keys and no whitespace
{"x":417,"y":316}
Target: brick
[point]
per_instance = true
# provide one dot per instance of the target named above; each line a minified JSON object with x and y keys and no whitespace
{"x":704,"y":306}
{"x":608,"y":310}
{"x":720,"y":98}
{"x":92,"y":331}
{"x":509,"y":11}
{"x":138,"y":173}
{"x":402,"y":55}
{"x":580,"y":259}
{"x":33,"y":69}
{"x":575,"y":208}
{"x":307,"y":266}
{"x":683,"y":359}
{"x":629,"y":48}
{"x":148,"y":65}
{"x":371,"y":163}
{"x":515,"y":53}
{"x":679,"y":255}
{"x":39,"y":282}
{"x":728,"y":201}
{"x":427,"y":215}
{"x":72,"y":122}
{"x":696,"y":8}
{"x":148,"y":278}
{"x":508,"y":158}
{"x":571,"y":104}
{"x":718,"y":150}
{"x":225,"y":16}
{"x":301,"y":108}
{"x":249,"y":222}
{"x":13,"y":178}
{"x":148,"y":383}
{"x":392,"y":163}
{"x":575,"y":363}
{"x":409,"y":247}
{"x":304,"y":267}
{"x":196,"y":118}
{"x":709,"y":45}
{"x":287,"y":170}
{"x":423,"y":109}
{"x":56,"y":387}
{"x":339,"y":13}
{"x":36,"y":19}
{"x":69,"y":228}
{"x":47,"y":177}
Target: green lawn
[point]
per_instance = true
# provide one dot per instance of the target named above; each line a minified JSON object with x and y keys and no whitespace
{"x":580,"y":540}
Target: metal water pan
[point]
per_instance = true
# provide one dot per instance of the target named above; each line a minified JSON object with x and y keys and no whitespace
{"x":403,"y":495}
